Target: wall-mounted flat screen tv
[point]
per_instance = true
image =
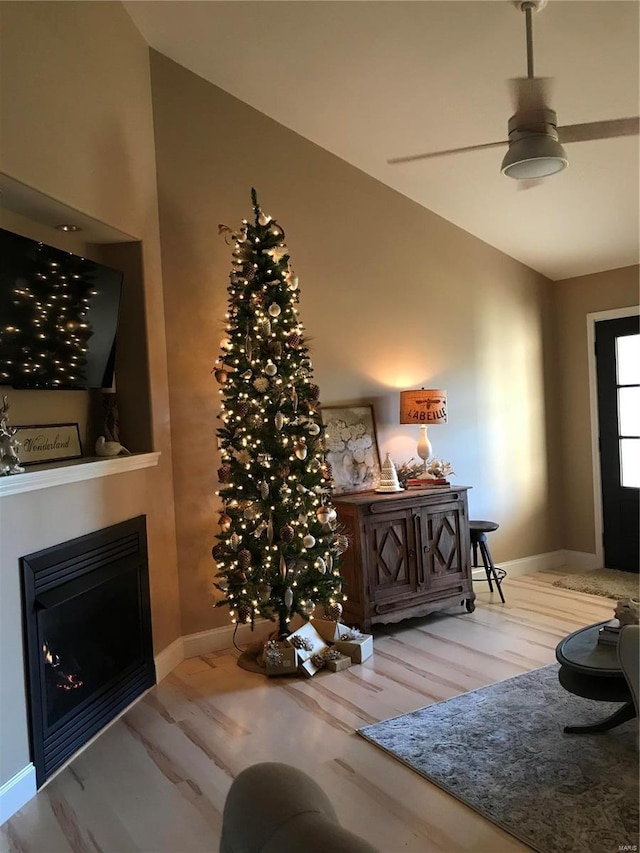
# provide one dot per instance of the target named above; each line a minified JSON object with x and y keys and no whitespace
{"x":58,"y":317}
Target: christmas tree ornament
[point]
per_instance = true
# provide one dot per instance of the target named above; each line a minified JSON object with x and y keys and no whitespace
{"x":276,"y":349}
{"x":274,"y":309}
{"x":221,"y":376}
{"x":320,"y":565}
{"x":279,"y":420}
{"x":329,"y":561}
{"x":260,"y":529}
{"x":264,"y":591}
{"x":283,"y":567}
{"x":244,"y":558}
{"x":248,"y":347}
{"x":264,"y":490}
{"x":247,"y":374}
{"x":243,"y":457}
{"x":288,"y":597}
{"x":261,"y":384}
{"x":265,"y":459}
{"x":248,"y":271}
{"x":334,"y":611}
{"x":224,"y":473}
{"x":324,"y":514}
{"x":300,"y":449}
{"x":309,"y":541}
{"x":245,"y":611}
{"x":218,"y":551}
{"x":242,"y":409}
{"x":270,"y":369}
{"x":263,"y":218}
{"x":225,"y":522}
{"x":342,"y":543}
{"x":270,"y":531}
{"x":265,"y":327}
{"x":307,"y":607}
{"x":313,"y":428}
{"x":293,"y":340}
{"x":294,"y":399}
{"x":287,"y":533}
{"x":314,"y":392}
{"x":293,"y":282}
{"x":250,"y":511}
{"x":234,"y":541}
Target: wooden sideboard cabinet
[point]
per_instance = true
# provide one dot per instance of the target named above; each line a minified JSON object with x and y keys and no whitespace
{"x":408,"y":554}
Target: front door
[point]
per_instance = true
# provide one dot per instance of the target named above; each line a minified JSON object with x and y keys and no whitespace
{"x":618,"y":372}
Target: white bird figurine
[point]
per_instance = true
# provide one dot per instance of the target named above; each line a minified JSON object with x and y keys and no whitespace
{"x":109,"y":448}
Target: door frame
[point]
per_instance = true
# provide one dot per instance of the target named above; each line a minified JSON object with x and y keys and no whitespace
{"x":592,"y":319}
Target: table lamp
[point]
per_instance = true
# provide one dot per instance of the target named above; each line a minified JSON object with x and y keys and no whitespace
{"x":426,"y":407}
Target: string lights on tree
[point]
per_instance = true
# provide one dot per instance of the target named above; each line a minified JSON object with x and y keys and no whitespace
{"x":278,"y":548}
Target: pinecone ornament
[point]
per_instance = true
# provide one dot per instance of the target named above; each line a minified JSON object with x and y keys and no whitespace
{"x":334,"y":611}
{"x":244,"y":559}
{"x":224,"y":473}
{"x":287,"y":533}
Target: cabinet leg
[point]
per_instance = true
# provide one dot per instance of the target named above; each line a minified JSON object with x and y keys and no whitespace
{"x":470,"y":605}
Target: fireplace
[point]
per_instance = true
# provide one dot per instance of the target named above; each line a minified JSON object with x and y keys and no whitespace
{"x":88,"y":639}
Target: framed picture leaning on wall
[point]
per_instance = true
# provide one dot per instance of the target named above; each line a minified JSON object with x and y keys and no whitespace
{"x":351,"y":448}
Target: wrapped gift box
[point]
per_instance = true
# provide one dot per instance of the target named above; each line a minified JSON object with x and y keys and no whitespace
{"x":308,"y":667}
{"x":280,"y":659}
{"x":307,"y":642}
{"x":343,"y":662}
{"x":328,"y":629}
{"x":359,"y":649}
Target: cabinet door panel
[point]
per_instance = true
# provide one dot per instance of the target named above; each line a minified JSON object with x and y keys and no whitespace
{"x":392,"y":557}
{"x":443,"y":548}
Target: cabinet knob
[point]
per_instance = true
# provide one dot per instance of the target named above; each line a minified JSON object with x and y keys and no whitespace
{"x":412,"y":553}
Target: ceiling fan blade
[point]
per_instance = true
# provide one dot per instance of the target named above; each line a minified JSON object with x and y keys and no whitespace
{"x":599,"y":130}
{"x":413,"y":157}
{"x":529,"y":94}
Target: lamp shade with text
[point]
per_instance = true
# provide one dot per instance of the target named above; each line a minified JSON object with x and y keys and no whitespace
{"x":426,"y":407}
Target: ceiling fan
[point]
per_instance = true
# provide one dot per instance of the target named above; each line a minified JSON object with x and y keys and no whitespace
{"x":534,"y":138}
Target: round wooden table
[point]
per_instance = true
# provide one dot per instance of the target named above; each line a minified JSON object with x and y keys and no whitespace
{"x":592,"y":670}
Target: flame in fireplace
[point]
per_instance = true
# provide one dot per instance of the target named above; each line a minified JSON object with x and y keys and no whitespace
{"x":66,"y":680}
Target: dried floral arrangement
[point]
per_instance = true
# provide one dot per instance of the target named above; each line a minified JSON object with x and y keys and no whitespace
{"x":436,"y":468}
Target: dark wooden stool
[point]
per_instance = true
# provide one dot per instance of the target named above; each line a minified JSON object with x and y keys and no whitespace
{"x":478,"y":531}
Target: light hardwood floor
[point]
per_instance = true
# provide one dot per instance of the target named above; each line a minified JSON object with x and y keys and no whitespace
{"x":156,"y":780}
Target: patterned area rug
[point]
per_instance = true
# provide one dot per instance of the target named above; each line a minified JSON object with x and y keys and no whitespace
{"x":502,"y":751}
{"x":608,"y":582}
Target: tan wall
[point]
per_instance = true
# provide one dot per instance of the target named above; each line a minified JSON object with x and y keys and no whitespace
{"x":76,"y":124}
{"x":574,"y":298}
{"x":392,"y":296}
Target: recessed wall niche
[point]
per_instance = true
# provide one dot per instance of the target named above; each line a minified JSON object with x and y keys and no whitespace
{"x":32,"y":214}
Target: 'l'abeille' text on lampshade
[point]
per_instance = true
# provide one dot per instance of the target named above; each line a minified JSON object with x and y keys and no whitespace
{"x":425,"y":407}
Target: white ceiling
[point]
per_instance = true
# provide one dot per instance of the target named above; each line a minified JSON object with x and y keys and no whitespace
{"x":373,"y":80}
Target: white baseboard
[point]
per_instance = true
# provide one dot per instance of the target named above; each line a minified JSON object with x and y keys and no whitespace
{"x":527,"y":565}
{"x":169,"y":658}
{"x":17,"y":791}
{"x":220,"y":638}
{"x":580,"y":561}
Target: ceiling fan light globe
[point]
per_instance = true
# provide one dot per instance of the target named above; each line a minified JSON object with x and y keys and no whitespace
{"x":534,"y":156}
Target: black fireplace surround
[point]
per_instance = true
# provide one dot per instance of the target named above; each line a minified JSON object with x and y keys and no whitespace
{"x":88,"y":644}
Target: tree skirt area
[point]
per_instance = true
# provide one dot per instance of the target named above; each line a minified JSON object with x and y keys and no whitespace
{"x":608,"y":582}
{"x":502,"y":751}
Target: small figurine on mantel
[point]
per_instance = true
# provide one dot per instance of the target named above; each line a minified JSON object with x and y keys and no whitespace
{"x":9,"y":444}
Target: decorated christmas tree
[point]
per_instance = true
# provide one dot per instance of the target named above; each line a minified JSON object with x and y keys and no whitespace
{"x":278,"y":545}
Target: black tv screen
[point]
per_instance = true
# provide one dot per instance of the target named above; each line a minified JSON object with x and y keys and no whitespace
{"x":58,"y":317}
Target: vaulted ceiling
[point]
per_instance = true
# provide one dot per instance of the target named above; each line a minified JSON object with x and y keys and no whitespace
{"x":370,"y":81}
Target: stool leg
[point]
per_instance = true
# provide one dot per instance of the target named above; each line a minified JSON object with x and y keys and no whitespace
{"x":490,"y":567}
{"x":482,"y":541}
{"x":474,"y":546}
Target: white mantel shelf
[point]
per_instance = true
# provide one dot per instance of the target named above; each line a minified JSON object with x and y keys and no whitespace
{"x":64,"y":473}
